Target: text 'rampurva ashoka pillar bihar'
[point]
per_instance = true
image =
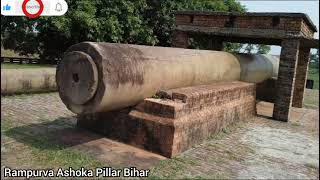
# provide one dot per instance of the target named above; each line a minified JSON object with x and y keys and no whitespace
{"x":99,"y":77}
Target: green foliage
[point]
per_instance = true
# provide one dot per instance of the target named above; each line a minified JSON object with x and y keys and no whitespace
{"x":17,"y":34}
{"x":313,"y":71}
{"x":148,"y":22}
{"x":313,"y":74}
{"x":232,"y":47}
{"x":248,"y":48}
{"x":263,"y":49}
{"x":314,"y":60}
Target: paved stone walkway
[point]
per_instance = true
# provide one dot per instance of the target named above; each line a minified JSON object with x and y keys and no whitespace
{"x":256,"y":148}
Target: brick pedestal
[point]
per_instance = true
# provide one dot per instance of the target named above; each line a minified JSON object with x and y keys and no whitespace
{"x":286,"y":79}
{"x":180,"y":39}
{"x":301,"y":77}
{"x":186,"y":117}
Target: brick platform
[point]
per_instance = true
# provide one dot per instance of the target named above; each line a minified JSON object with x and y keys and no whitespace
{"x":186,"y":117}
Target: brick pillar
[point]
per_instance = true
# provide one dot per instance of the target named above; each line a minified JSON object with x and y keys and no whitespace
{"x":215,"y":44}
{"x":180,"y":39}
{"x":286,"y":76}
{"x":301,"y":77}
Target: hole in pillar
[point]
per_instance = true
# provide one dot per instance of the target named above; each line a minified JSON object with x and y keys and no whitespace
{"x":75,"y":77}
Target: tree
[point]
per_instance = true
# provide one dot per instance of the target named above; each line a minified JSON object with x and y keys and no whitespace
{"x":314,"y":57}
{"x":148,"y":22}
{"x":263,"y":49}
{"x":252,"y":48}
{"x":314,"y":60}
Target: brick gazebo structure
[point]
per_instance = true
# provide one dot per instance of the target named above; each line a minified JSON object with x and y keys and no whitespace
{"x":292,"y":31}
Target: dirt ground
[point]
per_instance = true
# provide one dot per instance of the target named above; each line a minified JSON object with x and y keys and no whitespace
{"x":38,"y":132}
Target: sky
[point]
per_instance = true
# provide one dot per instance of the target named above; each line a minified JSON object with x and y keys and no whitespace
{"x":309,"y":7}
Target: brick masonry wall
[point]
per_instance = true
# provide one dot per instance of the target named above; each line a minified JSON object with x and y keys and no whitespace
{"x":198,"y":126}
{"x":286,"y":79}
{"x":253,"y":22}
{"x":301,"y":77}
{"x":193,"y":99}
{"x":183,"y":19}
{"x":213,"y":21}
{"x":195,"y":114}
{"x":306,"y":30}
{"x":290,"y":24}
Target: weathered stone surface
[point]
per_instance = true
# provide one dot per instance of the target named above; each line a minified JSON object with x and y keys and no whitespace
{"x":15,"y":81}
{"x":171,"y":126}
{"x":123,"y":75}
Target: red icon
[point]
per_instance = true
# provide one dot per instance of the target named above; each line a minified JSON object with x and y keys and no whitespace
{"x":32,"y":16}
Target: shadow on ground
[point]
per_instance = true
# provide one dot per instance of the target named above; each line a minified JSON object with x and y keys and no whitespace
{"x":60,"y":134}
{"x":57,"y":132}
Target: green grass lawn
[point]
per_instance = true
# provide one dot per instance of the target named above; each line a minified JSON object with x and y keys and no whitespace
{"x":22,"y":66}
{"x":313,"y":74}
{"x":11,"y":53}
{"x":311,"y":99}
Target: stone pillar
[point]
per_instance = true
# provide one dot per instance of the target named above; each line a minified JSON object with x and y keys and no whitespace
{"x":180,"y":39}
{"x":215,"y":43}
{"x":301,"y":77}
{"x":286,"y":76}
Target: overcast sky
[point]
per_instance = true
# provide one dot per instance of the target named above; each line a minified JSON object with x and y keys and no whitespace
{"x":309,"y":7}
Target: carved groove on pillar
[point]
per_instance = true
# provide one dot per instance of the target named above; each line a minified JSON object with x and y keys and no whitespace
{"x":286,"y":79}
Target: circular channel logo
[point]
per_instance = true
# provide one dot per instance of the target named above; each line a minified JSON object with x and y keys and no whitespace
{"x":26,"y":8}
